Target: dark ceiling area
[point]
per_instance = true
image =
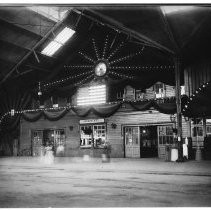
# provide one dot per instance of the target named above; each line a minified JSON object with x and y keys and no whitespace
{"x":139,"y":40}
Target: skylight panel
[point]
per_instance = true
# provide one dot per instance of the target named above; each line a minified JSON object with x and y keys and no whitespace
{"x":176,"y":9}
{"x":58,"y":41}
{"x":51,"y":48}
{"x":64,"y":35}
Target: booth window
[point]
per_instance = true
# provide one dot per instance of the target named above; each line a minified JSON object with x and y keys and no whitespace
{"x":165,"y":134}
{"x":159,"y":89}
{"x":86,"y":136}
{"x":99,"y":134}
{"x":93,"y":135}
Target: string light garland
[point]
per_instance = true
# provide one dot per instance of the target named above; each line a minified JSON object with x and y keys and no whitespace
{"x":195,"y":93}
{"x":107,"y":54}
{"x":86,"y":57}
{"x":84,"y":80}
{"x":141,"y":67}
{"x":105,"y":46}
{"x":104,"y":58}
{"x":116,"y":50}
{"x":121,"y":75}
{"x":95,"y":49}
{"x":78,"y":66}
{"x":127,"y":57}
{"x":66,"y":79}
{"x":76,"y":106}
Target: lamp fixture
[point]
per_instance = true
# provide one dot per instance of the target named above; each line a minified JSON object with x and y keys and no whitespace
{"x":39,"y":90}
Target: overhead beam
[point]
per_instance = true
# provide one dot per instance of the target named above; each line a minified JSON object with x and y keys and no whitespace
{"x":33,"y":49}
{"x":131,"y":32}
{"x":196,"y":29}
{"x":15,"y":45}
{"x":23,"y":48}
{"x":21,"y":28}
{"x":24,"y":72}
{"x":38,"y":68}
{"x":169,"y":30}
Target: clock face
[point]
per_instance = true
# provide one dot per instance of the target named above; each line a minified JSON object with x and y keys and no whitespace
{"x":100,"y":69}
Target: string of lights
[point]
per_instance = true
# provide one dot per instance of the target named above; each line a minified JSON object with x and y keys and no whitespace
{"x":196,"y":92}
{"x":78,"y":66}
{"x":142,"y":67}
{"x":121,"y":75}
{"x":95,"y":49}
{"x":105,"y":47}
{"x":84,"y":80}
{"x":86,"y":57}
{"x":127,"y":57}
{"x":66,"y":79}
{"x":116,"y":50}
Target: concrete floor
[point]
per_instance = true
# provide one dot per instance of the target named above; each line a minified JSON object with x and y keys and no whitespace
{"x":73,"y":182}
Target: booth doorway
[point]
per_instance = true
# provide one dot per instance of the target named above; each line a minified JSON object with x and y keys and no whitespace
{"x":132,"y":142}
{"x":141,"y":141}
{"x":42,"y":138}
{"x":148,"y":141}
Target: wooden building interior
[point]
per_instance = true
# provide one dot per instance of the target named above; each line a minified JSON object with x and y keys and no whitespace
{"x":144,"y":48}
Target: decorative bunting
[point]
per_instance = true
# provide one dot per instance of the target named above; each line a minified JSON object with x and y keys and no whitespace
{"x":63,"y":110}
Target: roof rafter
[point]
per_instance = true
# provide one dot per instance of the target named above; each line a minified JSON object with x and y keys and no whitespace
{"x":169,"y":30}
{"x":133,"y":33}
{"x":21,"y":29}
{"x":32,"y":50}
{"x":15,"y":45}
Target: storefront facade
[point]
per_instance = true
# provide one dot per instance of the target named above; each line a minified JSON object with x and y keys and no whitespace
{"x":130,"y":133}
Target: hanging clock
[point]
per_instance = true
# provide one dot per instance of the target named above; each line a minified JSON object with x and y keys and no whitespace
{"x":101,"y":68}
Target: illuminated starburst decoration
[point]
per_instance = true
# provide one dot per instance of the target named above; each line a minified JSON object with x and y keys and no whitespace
{"x":103,"y":62}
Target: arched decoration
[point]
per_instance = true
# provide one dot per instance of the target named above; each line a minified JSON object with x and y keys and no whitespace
{"x":82,"y":111}
{"x":53,"y":115}
{"x":166,"y":106}
{"x":106,"y":110}
{"x":32,"y":117}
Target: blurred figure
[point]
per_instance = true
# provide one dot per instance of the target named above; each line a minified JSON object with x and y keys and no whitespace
{"x":49,"y":156}
{"x":42,"y":153}
{"x":185,"y":149}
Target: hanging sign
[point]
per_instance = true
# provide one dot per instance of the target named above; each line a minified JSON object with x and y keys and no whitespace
{"x":91,"y":121}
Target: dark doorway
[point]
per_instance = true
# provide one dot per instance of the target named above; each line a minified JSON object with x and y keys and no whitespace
{"x":148,"y":141}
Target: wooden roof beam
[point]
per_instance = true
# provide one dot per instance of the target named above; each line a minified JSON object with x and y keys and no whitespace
{"x":21,"y":29}
{"x":31,"y":51}
{"x":131,"y":32}
{"x":169,"y":31}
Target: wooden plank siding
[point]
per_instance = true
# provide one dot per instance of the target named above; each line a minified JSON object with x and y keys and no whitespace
{"x":115,"y":136}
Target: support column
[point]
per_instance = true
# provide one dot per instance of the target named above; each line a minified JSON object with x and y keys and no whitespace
{"x":204,"y":127}
{"x":198,"y":149}
{"x":177,"y":63}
